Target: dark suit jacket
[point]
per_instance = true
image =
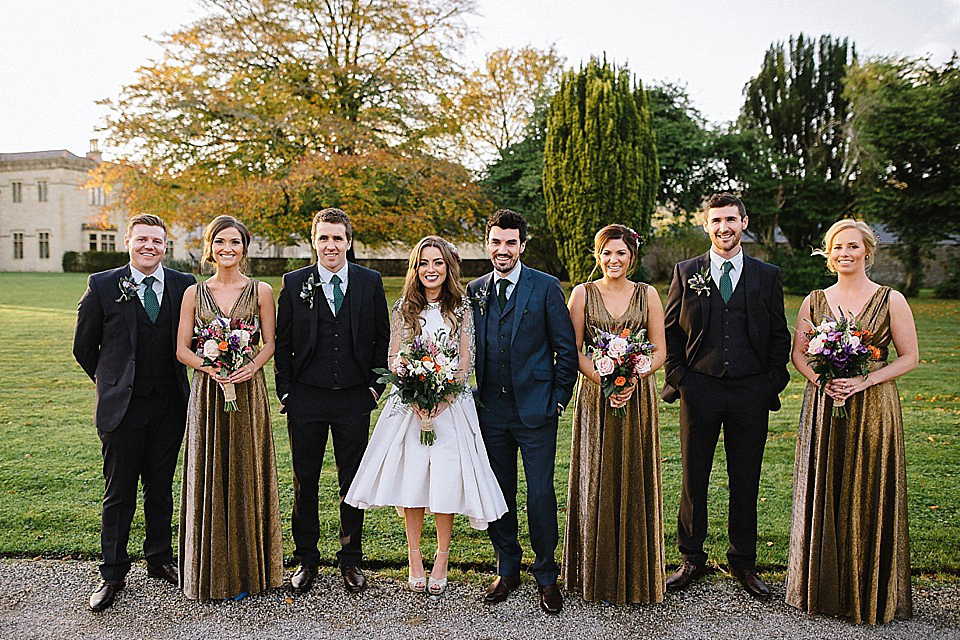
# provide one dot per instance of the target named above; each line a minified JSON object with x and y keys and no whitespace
{"x":687,"y":313}
{"x":543,"y":353}
{"x":105,"y":340}
{"x":297,"y":325}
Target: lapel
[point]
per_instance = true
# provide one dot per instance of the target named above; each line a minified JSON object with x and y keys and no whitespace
{"x":750,"y":279}
{"x":128,"y":308}
{"x":521,"y":295}
{"x":171,"y":288}
{"x":483,"y":291}
{"x":355,"y":291}
{"x":705,"y":304}
{"x":318,"y":299}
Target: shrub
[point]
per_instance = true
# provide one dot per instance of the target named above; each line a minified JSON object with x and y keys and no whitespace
{"x":801,"y":273}
{"x":186,"y":266}
{"x":94,"y":261}
{"x":72,"y":262}
{"x":949,"y":287}
{"x":669,"y":246}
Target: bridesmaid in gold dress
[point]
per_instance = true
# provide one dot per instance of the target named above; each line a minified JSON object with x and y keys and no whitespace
{"x":613,"y":547}
{"x":231,"y":540}
{"x":849,"y":541}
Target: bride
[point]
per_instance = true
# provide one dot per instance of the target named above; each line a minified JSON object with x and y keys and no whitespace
{"x":453,"y":474}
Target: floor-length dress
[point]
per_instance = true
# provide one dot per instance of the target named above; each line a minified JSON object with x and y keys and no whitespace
{"x":613,"y":546}
{"x":452,"y":475}
{"x":849,"y":541}
{"x":231,"y":538}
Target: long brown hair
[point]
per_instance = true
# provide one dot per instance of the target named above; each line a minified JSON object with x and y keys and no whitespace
{"x":414,"y":295}
{"x":217,"y":225}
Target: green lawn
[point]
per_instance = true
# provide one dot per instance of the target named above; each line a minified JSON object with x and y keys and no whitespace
{"x":51,"y":484}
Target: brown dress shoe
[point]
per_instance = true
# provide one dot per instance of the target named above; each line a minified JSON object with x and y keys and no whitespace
{"x":353,"y":578}
{"x":686,"y":573}
{"x":168,"y":572}
{"x":106,"y":591}
{"x":303,"y":578}
{"x":500,"y":588}
{"x":551,"y":601}
{"x":751,"y":582}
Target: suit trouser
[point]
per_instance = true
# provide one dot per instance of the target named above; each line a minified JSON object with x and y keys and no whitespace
{"x":741,"y":407}
{"x":308,"y":441}
{"x":503,"y":437}
{"x":143,"y":448}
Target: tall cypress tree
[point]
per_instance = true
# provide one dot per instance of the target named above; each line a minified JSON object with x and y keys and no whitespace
{"x":600,"y":160}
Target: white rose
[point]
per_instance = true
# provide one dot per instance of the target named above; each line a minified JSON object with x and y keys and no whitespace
{"x":604,"y":365}
{"x":826,"y":326}
{"x":816,"y":344}
{"x":644,"y":364}
{"x":442,"y":360}
{"x":617,"y":347}
{"x":243,"y":336}
{"x":211,"y":349}
{"x":854,"y":341}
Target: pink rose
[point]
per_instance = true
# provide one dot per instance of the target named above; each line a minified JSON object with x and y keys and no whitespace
{"x":604,"y":365}
{"x":644,"y":364}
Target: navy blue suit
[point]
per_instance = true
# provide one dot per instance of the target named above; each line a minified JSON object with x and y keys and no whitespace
{"x":526,"y":369}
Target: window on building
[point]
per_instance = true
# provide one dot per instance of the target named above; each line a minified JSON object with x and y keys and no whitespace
{"x":92,"y":246}
{"x":96,"y":196}
{"x":42,"y":190}
{"x":169,"y":249}
{"x":18,"y":245}
{"x":44,"y":244}
{"x":17,"y":193}
{"x":108,"y":242}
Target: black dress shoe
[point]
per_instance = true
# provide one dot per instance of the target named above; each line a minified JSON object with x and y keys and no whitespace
{"x":686,"y":573}
{"x":550,"y":599}
{"x":353,"y":578}
{"x":303,"y":578}
{"x":500,"y":588}
{"x":751,"y":582}
{"x":168,"y":572}
{"x":106,"y":591}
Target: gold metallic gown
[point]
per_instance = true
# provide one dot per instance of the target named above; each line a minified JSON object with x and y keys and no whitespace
{"x":613,"y":547}
{"x":849,"y":542}
{"x":230,"y":530}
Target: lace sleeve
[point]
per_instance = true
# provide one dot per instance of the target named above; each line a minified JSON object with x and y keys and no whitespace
{"x":468,"y":343}
{"x":396,"y":334}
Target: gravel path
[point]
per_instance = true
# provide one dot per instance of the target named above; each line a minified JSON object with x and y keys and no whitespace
{"x":47,"y":599}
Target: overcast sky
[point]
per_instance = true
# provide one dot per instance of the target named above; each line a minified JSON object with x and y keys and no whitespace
{"x":59,"y":56}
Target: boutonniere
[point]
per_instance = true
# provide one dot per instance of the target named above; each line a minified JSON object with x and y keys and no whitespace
{"x":481,"y":297}
{"x":700,"y":282}
{"x":306,"y":291}
{"x":128,"y":289}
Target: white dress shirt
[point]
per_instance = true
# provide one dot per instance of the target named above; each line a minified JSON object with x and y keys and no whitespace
{"x":513,"y":278}
{"x":138,"y":277}
{"x":716,"y":268}
{"x":327,"y":286}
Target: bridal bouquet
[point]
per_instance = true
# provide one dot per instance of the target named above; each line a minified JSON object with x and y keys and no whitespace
{"x":424,"y":376}
{"x":619,"y":357}
{"x":225,"y":344}
{"x":839,"y":349}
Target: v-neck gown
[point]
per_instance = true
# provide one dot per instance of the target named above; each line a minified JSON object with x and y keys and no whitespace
{"x":613,"y":547}
{"x":231,"y":539}
{"x":849,"y":540}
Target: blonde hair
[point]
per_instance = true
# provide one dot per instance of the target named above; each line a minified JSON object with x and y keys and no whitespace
{"x":414,"y":295}
{"x":869,"y":240}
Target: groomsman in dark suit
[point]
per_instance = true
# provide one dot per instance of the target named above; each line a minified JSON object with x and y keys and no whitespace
{"x":126,"y":340}
{"x":526,"y":369}
{"x":727,"y":352}
{"x":333,"y":330}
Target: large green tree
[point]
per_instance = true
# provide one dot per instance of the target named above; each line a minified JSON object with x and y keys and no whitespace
{"x":600,"y":160}
{"x":796,"y":108}
{"x":258,"y":105}
{"x":908,"y":143}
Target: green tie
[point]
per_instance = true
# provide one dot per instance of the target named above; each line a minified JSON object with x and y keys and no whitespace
{"x":337,"y":293}
{"x":726,"y":284}
{"x":150,"y":303}
{"x":502,"y":292}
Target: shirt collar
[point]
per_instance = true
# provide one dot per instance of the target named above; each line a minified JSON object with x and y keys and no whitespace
{"x":717,"y":260}
{"x":325,"y":274}
{"x":513,"y":276}
{"x":138,"y":275}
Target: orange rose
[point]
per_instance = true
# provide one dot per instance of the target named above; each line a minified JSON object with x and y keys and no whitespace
{"x":620,"y":381}
{"x":426,"y":359}
{"x":222,"y":346}
{"x":625,"y":333}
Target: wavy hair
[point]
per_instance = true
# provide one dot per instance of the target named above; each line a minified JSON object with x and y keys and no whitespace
{"x":869,"y":241}
{"x":617,"y":232}
{"x":414,"y":295}
{"x":217,"y":225}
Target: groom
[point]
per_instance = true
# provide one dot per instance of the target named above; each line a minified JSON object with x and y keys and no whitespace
{"x":526,"y":368}
{"x":727,"y":352}
{"x":125,"y":340}
{"x":333,"y":330}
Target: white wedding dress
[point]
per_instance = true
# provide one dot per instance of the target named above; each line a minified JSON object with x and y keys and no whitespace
{"x":452,"y":475}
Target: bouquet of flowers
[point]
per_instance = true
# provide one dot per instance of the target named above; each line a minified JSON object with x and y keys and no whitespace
{"x":225,"y":344}
{"x":839,"y":349}
{"x":619,"y":357}
{"x":424,"y":375}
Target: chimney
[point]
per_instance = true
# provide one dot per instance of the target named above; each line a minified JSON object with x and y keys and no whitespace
{"x":94,"y":153}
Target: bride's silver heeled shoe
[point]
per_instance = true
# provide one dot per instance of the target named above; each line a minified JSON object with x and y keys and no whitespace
{"x":434,"y":586}
{"x":417,"y":584}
